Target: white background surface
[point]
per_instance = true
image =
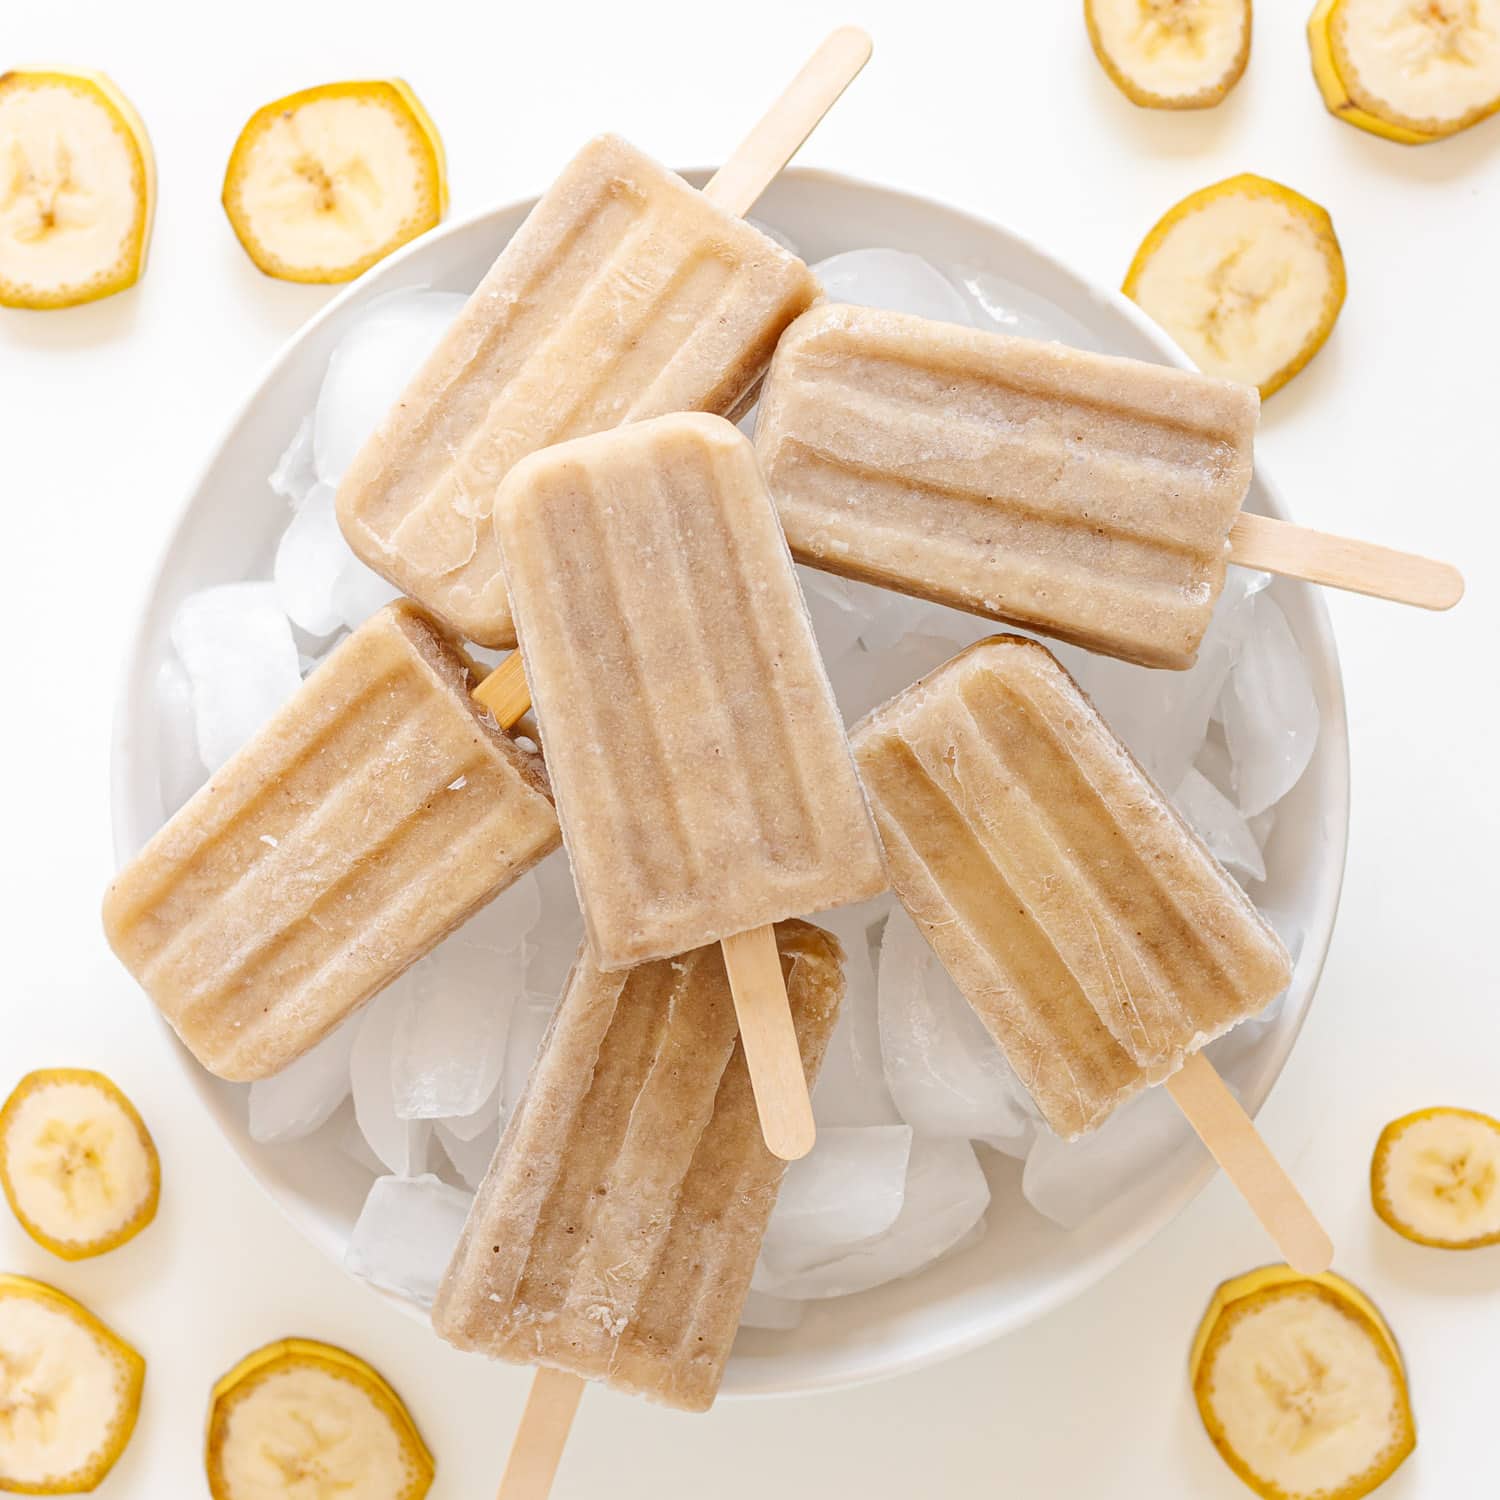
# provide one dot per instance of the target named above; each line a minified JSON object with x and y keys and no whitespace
{"x":107,"y":412}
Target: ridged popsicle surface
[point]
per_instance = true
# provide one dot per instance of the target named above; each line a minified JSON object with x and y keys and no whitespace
{"x":1088,"y":926}
{"x":1083,"y":496}
{"x":375,"y":813}
{"x":616,"y":1231}
{"x":625,"y":294}
{"x":702,"y":774}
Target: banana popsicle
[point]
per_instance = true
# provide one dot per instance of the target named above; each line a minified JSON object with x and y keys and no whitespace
{"x":616,"y":1232}
{"x":703,"y":779}
{"x":625,"y":294}
{"x":1087,"y":497}
{"x":375,"y":813}
{"x":1093,"y":933}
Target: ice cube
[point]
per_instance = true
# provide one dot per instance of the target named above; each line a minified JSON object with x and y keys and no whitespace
{"x":847,"y":1190}
{"x":895,"y":279}
{"x":1004,"y":306}
{"x":945,"y":1071}
{"x":297,"y":1100}
{"x":236,"y":647}
{"x":180,"y":771}
{"x":401,"y":1144}
{"x":837,"y":619}
{"x":349,"y":1138}
{"x":469,"y":1127}
{"x":1164,"y":716}
{"x":508,"y":921}
{"x":406,"y":1234}
{"x":771,"y":232}
{"x":310,"y":557}
{"x":851,"y":1089}
{"x":295,"y":473}
{"x":471,"y":1158}
{"x":946,"y":1196}
{"x":1220,"y":824}
{"x":777,"y":1313}
{"x":1070,"y":1181}
{"x":448,"y":1043}
{"x":1270,"y":712}
{"x":863,"y":683}
{"x":358,"y":593}
{"x":371,"y":367}
{"x":889,"y":617}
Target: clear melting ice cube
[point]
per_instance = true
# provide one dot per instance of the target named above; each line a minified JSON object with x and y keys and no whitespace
{"x":371,"y":367}
{"x":237,"y":649}
{"x":406,"y":1235}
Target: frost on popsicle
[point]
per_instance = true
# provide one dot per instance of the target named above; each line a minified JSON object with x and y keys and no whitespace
{"x":1231,"y":735}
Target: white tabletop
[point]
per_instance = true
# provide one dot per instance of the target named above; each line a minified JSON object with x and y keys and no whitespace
{"x":106,"y":413}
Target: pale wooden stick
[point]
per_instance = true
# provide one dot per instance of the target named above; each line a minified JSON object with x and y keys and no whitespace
{"x":542,"y":1435}
{"x":770,"y":1042}
{"x":1342,"y":563}
{"x":789,"y":121}
{"x":504,"y":692}
{"x":1235,"y":1143}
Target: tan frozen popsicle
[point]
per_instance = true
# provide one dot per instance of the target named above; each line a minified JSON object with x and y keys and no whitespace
{"x":375,"y":813}
{"x":1092,"y":932}
{"x":615,"y":1235}
{"x":1091,"y":498}
{"x":626,"y":294}
{"x":703,"y":779}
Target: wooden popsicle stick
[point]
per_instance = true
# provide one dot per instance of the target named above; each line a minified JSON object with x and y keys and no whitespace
{"x":789,"y":121}
{"x":504,"y":692}
{"x":1235,"y":1143}
{"x":542,"y":1435}
{"x":770,"y":1042}
{"x":1342,"y":563}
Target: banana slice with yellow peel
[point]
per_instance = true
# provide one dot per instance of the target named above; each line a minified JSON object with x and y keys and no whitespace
{"x":1246,"y":275}
{"x":1412,"y":71}
{"x":1171,"y":54}
{"x":1435,"y":1178}
{"x":77,"y":189}
{"x":1301,"y":1387}
{"x":299,"y":1417}
{"x":324,"y":183}
{"x":77,"y":1164}
{"x":69,"y":1391}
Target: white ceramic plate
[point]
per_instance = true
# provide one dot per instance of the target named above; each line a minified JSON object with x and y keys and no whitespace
{"x":228,"y":531}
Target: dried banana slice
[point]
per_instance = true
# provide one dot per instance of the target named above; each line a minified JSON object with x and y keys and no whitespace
{"x":1409,"y":70}
{"x":78,"y":1166}
{"x":1435,"y":1178}
{"x":1171,"y":54}
{"x":69,"y":1391}
{"x":324,"y":183}
{"x":303,"y":1416}
{"x":77,"y":189}
{"x":1246,"y":275}
{"x":1301,"y":1386}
